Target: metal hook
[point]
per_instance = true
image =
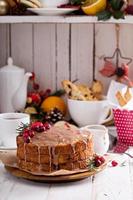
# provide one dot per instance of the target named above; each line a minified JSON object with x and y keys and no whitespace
{"x":117,"y":51}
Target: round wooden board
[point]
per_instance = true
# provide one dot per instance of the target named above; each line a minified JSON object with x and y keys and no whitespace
{"x":53,"y":179}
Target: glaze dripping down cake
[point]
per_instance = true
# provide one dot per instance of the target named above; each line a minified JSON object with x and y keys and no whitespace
{"x":60,"y":147}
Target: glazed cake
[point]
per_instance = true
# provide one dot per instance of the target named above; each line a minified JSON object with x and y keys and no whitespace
{"x":60,"y":147}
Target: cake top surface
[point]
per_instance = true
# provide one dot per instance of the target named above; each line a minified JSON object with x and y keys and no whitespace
{"x":59,"y":136}
{"x":62,"y":133}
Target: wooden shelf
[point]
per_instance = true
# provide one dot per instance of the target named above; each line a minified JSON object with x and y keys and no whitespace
{"x":61,"y":19}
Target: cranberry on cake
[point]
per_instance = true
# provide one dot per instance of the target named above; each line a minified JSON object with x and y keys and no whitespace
{"x":45,"y":148}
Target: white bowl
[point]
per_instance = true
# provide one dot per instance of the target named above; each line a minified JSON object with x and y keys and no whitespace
{"x":89,"y":112}
{"x":53,"y":3}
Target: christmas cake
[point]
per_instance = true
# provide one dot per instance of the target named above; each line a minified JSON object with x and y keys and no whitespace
{"x":44,"y":148}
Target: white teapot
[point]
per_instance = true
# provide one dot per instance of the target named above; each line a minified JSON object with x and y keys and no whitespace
{"x":13,"y":87}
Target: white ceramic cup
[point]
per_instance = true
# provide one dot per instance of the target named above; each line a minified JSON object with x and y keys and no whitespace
{"x":89,"y":112}
{"x":53,"y":3}
{"x":9,"y":122}
{"x":100,"y":138}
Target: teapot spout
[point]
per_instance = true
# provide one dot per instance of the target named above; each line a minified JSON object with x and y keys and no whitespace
{"x":27,"y":75}
{"x":19,"y":98}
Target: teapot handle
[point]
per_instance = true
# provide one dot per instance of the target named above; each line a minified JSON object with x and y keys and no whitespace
{"x":104,"y":118}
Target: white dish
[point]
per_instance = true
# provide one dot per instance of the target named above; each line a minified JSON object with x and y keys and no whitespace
{"x":52,"y":11}
{"x":7,"y":148}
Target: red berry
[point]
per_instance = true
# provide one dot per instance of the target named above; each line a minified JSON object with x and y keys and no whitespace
{"x":40,"y":129}
{"x":97,"y":157}
{"x":35,"y":97}
{"x":98,"y":163}
{"x":114,"y":163}
{"x":48,"y":91}
{"x":27,"y":139}
{"x":42,"y":93}
{"x":37,"y":126}
{"x":31,"y":133}
{"x":47,"y":125}
{"x":102,"y":159}
{"x":45,"y":94}
{"x":35,"y":86}
{"x":26,"y":132}
{"x":99,"y":160}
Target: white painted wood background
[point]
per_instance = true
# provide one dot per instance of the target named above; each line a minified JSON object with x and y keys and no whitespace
{"x":63,"y":51}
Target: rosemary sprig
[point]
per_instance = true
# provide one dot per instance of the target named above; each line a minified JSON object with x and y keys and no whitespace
{"x":21,"y":128}
{"x":91,"y":165}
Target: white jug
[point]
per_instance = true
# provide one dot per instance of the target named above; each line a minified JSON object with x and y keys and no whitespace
{"x":100,"y":137}
{"x":13,"y":87}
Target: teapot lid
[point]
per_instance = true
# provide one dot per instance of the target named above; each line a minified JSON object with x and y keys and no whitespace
{"x":10,"y":67}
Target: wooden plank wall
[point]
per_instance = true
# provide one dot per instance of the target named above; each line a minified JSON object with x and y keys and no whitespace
{"x":63,"y":51}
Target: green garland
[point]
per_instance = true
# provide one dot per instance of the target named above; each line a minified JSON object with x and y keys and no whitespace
{"x":115,"y":8}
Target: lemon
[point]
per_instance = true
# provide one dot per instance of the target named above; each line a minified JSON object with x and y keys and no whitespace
{"x":53,"y":102}
{"x":92,"y":7}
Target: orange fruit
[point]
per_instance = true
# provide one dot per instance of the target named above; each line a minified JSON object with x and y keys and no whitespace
{"x":53,"y":102}
{"x":92,"y":7}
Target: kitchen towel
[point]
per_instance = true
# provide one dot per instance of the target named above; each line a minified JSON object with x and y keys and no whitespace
{"x":123,"y":120}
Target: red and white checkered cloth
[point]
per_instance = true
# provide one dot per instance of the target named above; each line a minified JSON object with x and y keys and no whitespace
{"x":124,"y":124}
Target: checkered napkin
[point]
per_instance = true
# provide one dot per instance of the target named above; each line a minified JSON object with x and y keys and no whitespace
{"x":124,"y":124}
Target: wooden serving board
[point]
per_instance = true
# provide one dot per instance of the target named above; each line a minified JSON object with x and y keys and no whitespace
{"x":53,"y":179}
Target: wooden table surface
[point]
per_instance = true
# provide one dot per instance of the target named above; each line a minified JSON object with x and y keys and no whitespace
{"x":114,"y":183}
